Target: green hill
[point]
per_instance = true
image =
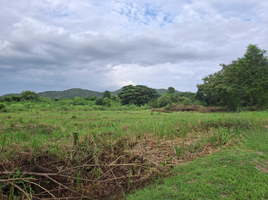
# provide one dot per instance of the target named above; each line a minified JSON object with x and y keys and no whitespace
{"x":71,"y":93}
{"x":77,"y":92}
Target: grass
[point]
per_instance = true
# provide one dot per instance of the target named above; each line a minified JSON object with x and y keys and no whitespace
{"x":239,"y":172}
{"x":123,"y":150}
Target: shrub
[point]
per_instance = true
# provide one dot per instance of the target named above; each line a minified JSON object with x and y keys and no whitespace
{"x":29,"y":95}
{"x":2,"y":107}
{"x":164,"y":100}
{"x":7,"y":99}
{"x":99,"y":102}
{"x":186,"y":101}
{"x":168,"y":107}
{"x":106,"y":102}
{"x":92,"y":98}
{"x":152,"y":103}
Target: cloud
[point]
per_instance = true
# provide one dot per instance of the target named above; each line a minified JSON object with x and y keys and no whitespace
{"x":56,"y":45}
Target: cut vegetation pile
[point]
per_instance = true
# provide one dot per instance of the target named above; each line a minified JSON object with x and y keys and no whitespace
{"x":95,"y":155}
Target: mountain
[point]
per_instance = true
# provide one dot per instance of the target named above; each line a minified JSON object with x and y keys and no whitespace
{"x":71,"y":93}
{"x":77,"y":92}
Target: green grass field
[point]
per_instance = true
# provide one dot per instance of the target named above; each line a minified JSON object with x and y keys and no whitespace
{"x":77,"y":153}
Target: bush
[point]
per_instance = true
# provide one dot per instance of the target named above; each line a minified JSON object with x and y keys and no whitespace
{"x":15,"y":98}
{"x":106,"y":102}
{"x":29,"y":95}
{"x":168,"y":107}
{"x":186,"y":101}
{"x":7,"y":99}
{"x":92,"y":98}
{"x":164,"y":100}
{"x":2,"y":107}
{"x":99,"y":102}
{"x":152,"y":103}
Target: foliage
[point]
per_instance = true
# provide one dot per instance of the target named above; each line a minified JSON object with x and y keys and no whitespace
{"x":99,"y":102}
{"x":153,"y":103}
{"x":15,"y":97}
{"x":171,"y":90}
{"x":2,"y":106}
{"x":168,"y":107}
{"x":92,"y":98}
{"x":29,"y":95}
{"x":164,"y":100}
{"x":239,"y":84}
{"x":138,"y":95}
{"x":106,"y":102}
{"x":186,"y":101}
{"x":106,"y":94}
{"x":7,"y":99}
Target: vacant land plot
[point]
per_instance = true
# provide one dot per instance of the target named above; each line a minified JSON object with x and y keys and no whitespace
{"x":105,"y":154}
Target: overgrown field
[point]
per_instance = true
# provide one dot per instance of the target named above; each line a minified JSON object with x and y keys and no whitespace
{"x":76,"y":154}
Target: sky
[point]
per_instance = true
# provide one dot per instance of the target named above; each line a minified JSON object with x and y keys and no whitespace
{"x":104,"y":45}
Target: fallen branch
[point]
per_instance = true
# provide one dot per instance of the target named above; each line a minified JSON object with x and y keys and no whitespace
{"x":40,"y":187}
{"x":19,"y":189}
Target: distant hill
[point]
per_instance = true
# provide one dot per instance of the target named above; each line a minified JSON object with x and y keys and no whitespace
{"x":10,"y":94}
{"x":71,"y":93}
{"x":77,"y":92}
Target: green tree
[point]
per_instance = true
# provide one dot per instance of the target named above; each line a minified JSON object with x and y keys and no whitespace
{"x":241,"y":83}
{"x":186,"y":101}
{"x":92,"y":98}
{"x":29,"y":95}
{"x":106,"y":94}
{"x":7,"y":98}
{"x":171,"y":90}
{"x":15,"y":97}
{"x":164,"y":100}
{"x":106,"y":102}
{"x":2,"y":107}
{"x":138,"y":95}
{"x":99,"y":102}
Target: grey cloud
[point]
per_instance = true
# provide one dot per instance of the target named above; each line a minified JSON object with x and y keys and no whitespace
{"x":59,"y":44}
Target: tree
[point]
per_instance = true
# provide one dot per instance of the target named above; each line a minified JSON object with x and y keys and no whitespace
{"x":106,"y":94}
{"x":106,"y":102}
{"x":15,"y":97}
{"x":2,"y":107}
{"x":171,"y":90}
{"x":92,"y":98}
{"x":7,"y":98}
{"x":29,"y":95}
{"x":164,"y":100}
{"x":99,"y":101}
{"x":138,"y":95}
{"x":241,"y":83}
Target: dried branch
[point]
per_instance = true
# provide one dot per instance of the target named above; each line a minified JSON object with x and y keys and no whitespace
{"x":19,"y":189}
{"x":40,"y":187}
